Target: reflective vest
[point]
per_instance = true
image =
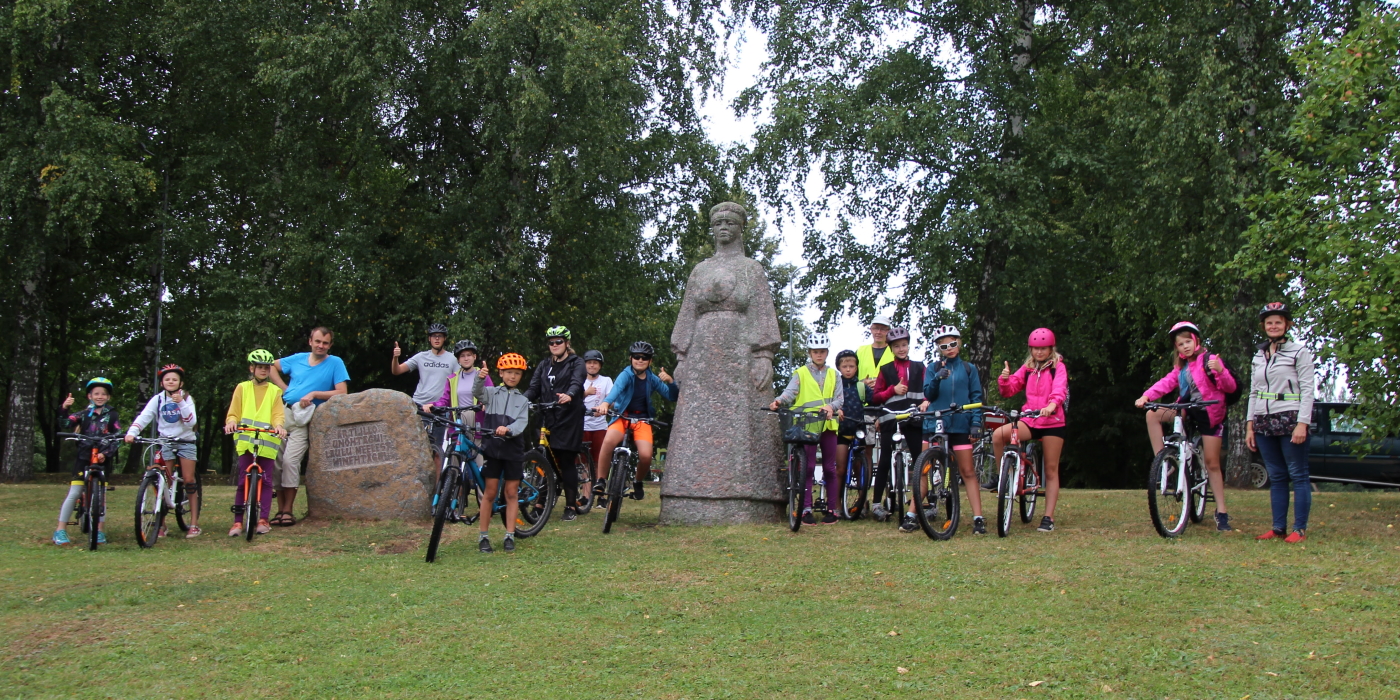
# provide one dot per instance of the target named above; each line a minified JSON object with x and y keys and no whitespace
{"x":257,"y":416}
{"x":811,"y":397}
{"x":865,"y":361}
{"x":452,"y":382}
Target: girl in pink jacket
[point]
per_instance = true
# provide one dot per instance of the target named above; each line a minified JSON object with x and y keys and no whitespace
{"x":1046,"y":382}
{"x":1196,"y":375}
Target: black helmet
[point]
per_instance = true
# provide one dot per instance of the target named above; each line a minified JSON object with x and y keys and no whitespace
{"x":464,"y":345}
{"x":845,"y":354}
{"x":592,"y":355}
{"x":437,"y":328}
{"x":641,"y":347}
{"x":1275,"y":308}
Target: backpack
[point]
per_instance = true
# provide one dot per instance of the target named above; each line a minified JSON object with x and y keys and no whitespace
{"x":1231,"y":397}
{"x":1064,"y":405}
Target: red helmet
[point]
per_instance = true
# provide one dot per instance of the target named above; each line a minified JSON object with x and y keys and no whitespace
{"x":1041,"y":338}
{"x":177,"y":369}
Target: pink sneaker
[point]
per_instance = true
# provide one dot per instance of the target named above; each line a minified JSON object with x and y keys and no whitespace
{"x":193,"y":533}
{"x":264,"y":527}
{"x":236,"y":530}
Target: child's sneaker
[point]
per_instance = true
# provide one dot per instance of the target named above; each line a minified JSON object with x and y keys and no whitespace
{"x":264,"y":526}
{"x":484,"y":546}
{"x":1222,"y":522}
{"x":807,"y":518}
{"x":1046,"y":524}
{"x":194,"y":532}
{"x":1295,"y":537}
{"x":570,"y":515}
{"x":60,"y":537}
{"x":236,"y":530}
{"x":979,"y":525}
{"x":830,"y":518}
{"x":509,"y":544}
{"x":909,"y":525}
{"x":101,"y":537}
{"x":638,"y":493}
{"x":162,"y":532}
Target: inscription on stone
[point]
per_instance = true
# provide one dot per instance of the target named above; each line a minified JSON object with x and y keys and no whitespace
{"x":359,"y":445}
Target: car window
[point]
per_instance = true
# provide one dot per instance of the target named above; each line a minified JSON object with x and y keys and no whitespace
{"x":1344,"y":423}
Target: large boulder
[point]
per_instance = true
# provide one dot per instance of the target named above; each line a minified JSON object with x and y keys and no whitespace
{"x":369,"y":458}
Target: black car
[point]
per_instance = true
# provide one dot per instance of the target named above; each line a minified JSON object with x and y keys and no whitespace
{"x":1330,"y":456}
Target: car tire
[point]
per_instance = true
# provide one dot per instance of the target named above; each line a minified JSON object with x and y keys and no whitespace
{"x":1257,"y":476}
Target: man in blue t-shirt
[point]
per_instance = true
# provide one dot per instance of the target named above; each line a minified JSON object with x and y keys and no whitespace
{"x":315,"y":377}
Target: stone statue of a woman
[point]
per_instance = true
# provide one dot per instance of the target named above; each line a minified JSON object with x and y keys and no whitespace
{"x":723,"y":457}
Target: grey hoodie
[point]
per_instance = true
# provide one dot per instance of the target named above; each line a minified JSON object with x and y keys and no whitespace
{"x":1284,"y":382}
{"x":503,"y":406}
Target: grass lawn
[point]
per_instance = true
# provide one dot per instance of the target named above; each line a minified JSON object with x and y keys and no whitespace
{"x":1101,"y":608}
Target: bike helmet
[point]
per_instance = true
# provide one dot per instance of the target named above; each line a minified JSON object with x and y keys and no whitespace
{"x":103,"y":382}
{"x":818,"y":341}
{"x":512,"y":360}
{"x":942,"y":332}
{"x":845,"y":354}
{"x":1041,"y":338}
{"x":437,"y":328}
{"x":1183,"y":326}
{"x":463,"y":345}
{"x":897,"y":333}
{"x":260,"y":357}
{"x":641,"y":347}
{"x":177,"y":369}
{"x":1275,"y":308}
{"x":592,"y":356}
{"x":558,"y":332}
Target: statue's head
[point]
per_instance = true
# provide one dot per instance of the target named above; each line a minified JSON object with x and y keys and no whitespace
{"x":727,"y":221}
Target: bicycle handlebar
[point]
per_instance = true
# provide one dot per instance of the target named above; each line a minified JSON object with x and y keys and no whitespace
{"x":614,"y":415}
{"x":99,"y":438}
{"x":1186,"y":405}
{"x":161,"y":441}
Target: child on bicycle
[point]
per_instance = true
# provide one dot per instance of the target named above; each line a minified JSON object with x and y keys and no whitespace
{"x":173,"y":411}
{"x":1046,"y":382}
{"x":595,"y":428}
{"x":855,"y":397}
{"x":97,"y":420}
{"x":952,"y":381}
{"x":257,"y":403}
{"x":636,"y":402}
{"x":899,"y":385}
{"x":506,"y":413}
{"x":1196,"y":375}
{"x":816,"y":388}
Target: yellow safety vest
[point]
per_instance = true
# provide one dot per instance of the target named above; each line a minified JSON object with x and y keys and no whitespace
{"x":865,"y":359}
{"x":257,"y":416}
{"x":810,"y":397}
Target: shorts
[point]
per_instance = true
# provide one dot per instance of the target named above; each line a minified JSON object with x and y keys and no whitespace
{"x":847,"y":440}
{"x":957,"y":441}
{"x":506,"y":469}
{"x":181,"y":450}
{"x":1038,"y":433}
{"x":641,"y":432}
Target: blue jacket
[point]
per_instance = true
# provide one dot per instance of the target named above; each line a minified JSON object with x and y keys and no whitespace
{"x":962,"y":386}
{"x":621,"y":395}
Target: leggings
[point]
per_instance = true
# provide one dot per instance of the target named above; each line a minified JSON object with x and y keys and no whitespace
{"x":567,"y":462}
{"x":65,"y":514}
{"x":833,"y":485}
{"x":269,"y":467}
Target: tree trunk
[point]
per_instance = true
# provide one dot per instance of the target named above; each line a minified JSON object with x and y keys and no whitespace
{"x":18,"y":462}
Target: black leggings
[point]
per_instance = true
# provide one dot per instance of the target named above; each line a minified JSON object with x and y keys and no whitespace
{"x":913,"y":439}
{"x":566,"y":464}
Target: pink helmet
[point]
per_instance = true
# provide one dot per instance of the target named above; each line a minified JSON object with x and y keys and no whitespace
{"x":1041,"y":338}
{"x":1184,"y":326}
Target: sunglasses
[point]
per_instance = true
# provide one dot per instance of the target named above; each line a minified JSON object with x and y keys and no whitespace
{"x":556,"y":341}
{"x":948,"y":346}
{"x":642,"y":357}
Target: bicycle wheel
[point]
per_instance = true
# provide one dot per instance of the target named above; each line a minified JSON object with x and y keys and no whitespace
{"x":1031,"y":484}
{"x":96,"y":509}
{"x":539,"y":489}
{"x":616,"y":477}
{"x":1007,"y":481}
{"x":936,"y":503}
{"x":443,"y":504}
{"x":856,"y":485}
{"x":1167,"y":503}
{"x":986,"y":465}
{"x":584,"y":467}
{"x":184,"y":512}
{"x":468,"y":508}
{"x":796,"y":472}
{"x":1200,"y":489}
{"x":898,"y":489}
{"x":250,"y":508}
{"x":148,"y":510}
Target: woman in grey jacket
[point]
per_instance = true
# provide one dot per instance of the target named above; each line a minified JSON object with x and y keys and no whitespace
{"x":1280,"y":411}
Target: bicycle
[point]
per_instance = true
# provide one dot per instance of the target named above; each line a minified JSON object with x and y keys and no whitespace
{"x":1177,"y":475}
{"x":796,"y":437}
{"x":984,"y":460}
{"x":543,"y":455}
{"x":1022,"y":474}
{"x":936,"y":504}
{"x":459,"y":478}
{"x":252,"y":486}
{"x":891,"y":507}
{"x":856,"y":473}
{"x":92,"y":505}
{"x":623,"y":470}
{"x":162,"y":491}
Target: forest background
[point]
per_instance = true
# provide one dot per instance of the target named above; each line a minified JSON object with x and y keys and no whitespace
{"x":186,"y":181}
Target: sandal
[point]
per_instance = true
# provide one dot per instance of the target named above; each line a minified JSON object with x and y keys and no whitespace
{"x":288,"y":520}
{"x":279,"y":520}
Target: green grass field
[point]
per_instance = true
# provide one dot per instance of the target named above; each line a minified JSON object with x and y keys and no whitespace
{"x":1101,"y":608}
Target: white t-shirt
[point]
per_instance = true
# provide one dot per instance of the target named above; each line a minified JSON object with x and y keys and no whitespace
{"x":433,"y":371}
{"x":603,"y":383}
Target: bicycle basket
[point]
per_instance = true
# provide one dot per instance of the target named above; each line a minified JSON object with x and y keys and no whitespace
{"x":799,"y":429}
{"x":992,"y":421}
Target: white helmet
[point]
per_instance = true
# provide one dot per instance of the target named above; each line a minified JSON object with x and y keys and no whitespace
{"x":818,"y":341}
{"x":942,"y":332}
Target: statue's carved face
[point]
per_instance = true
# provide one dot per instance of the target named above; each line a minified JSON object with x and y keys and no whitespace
{"x":727,"y":227}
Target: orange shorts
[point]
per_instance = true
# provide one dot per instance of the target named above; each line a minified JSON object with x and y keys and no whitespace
{"x":641,"y":432}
